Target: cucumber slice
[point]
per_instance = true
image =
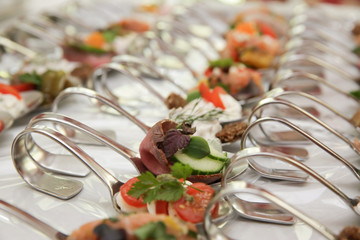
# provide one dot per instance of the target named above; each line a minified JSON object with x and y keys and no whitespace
{"x":216,"y":155}
{"x":216,"y":151}
{"x":197,"y":148}
{"x":201,"y":166}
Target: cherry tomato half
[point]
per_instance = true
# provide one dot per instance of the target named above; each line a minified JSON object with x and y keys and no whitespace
{"x":162,"y":207}
{"x":22,"y":87}
{"x":7,"y":89}
{"x":193,"y":211}
{"x":2,"y":125}
{"x":132,"y":201}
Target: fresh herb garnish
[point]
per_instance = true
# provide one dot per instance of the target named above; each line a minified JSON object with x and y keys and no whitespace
{"x":356,"y":94}
{"x":33,"y":77}
{"x":193,"y":116}
{"x":110,"y":34}
{"x":174,"y":140}
{"x":197,"y":148}
{"x":181,"y":171}
{"x":221,"y":63}
{"x":153,"y":230}
{"x":164,"y":187}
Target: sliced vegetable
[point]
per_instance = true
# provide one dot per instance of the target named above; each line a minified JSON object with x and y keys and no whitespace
{"x":221,"y":63}
{"x":202,"y":166}
{"x":7,"y":89}
{"x":96,"y":40}
{"x":197,"y":148}
{"x":129,"y":199}
{"x":267,"y":30}
{"x":162,"y":207}
{"x":193,"y":210}
{"x":211,"y":95}
{"x":22,"y":87}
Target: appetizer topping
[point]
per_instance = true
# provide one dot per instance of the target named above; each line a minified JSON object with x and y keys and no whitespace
{"x":139,"y":226}
{"x":197,"y":148}
{"x":165,"y":144}
{"x":174,"y":140}
{"x":241,"y":82}
{"x":252,"y":43}
{"x":50,"y":83}
{"x":7,"y":89}
{"x":171,"y":194}
{"x":175,"y":101}
{"x":98,"y":47}
{"x":11,"y":100}
{"x":2,"y":125}
{"x":152,"y":156}
{"x":132,"y":201}
{"x":350,"y":233}
{"x":193,"y":209}
{"x":165,"y":187}
{"x":231,"y":132}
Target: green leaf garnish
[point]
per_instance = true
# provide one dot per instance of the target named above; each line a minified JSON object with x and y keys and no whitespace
{"x":221,"y":63}
{"x":197,"y":148}
{"x":164,"y":187}
{"x":33,"y":77}
{"x":110,"y":35}
{"x":90,"y":49}
{"x":179,"y":170}
{"x":356,"y":50}
{"x":193,"y":95}
{"x":153,"y":230}
{"x":356,"y":94}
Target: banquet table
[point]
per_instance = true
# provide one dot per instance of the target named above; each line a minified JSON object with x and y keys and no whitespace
{"x":94,"y":201}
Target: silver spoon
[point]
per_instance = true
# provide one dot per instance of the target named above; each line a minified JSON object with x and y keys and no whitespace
{"x":33,"y":221}
{"x":235,"y":187}
{"x":306,"y":135}
{"x":250,"y":153}
{"x":287,"y":60}
{"x":273,"y":97}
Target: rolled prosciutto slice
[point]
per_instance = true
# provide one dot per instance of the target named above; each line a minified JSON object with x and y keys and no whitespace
{"x":151,"y":153}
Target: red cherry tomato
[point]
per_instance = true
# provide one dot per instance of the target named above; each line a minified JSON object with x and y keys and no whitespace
{"x":193,"y":211}
{"x":132,"y":201}
{"x":267,"y":30}
{"x":212,"y":96}
{"x":162,"y":207}
{"x":22,"y":87}
{"x":7,"y":89}
{"x":208,"y":72}
{"x":2,"y":126}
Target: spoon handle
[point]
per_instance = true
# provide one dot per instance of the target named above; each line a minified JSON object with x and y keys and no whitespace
{"x":94,"y":95}
{"x":32,"y":221}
